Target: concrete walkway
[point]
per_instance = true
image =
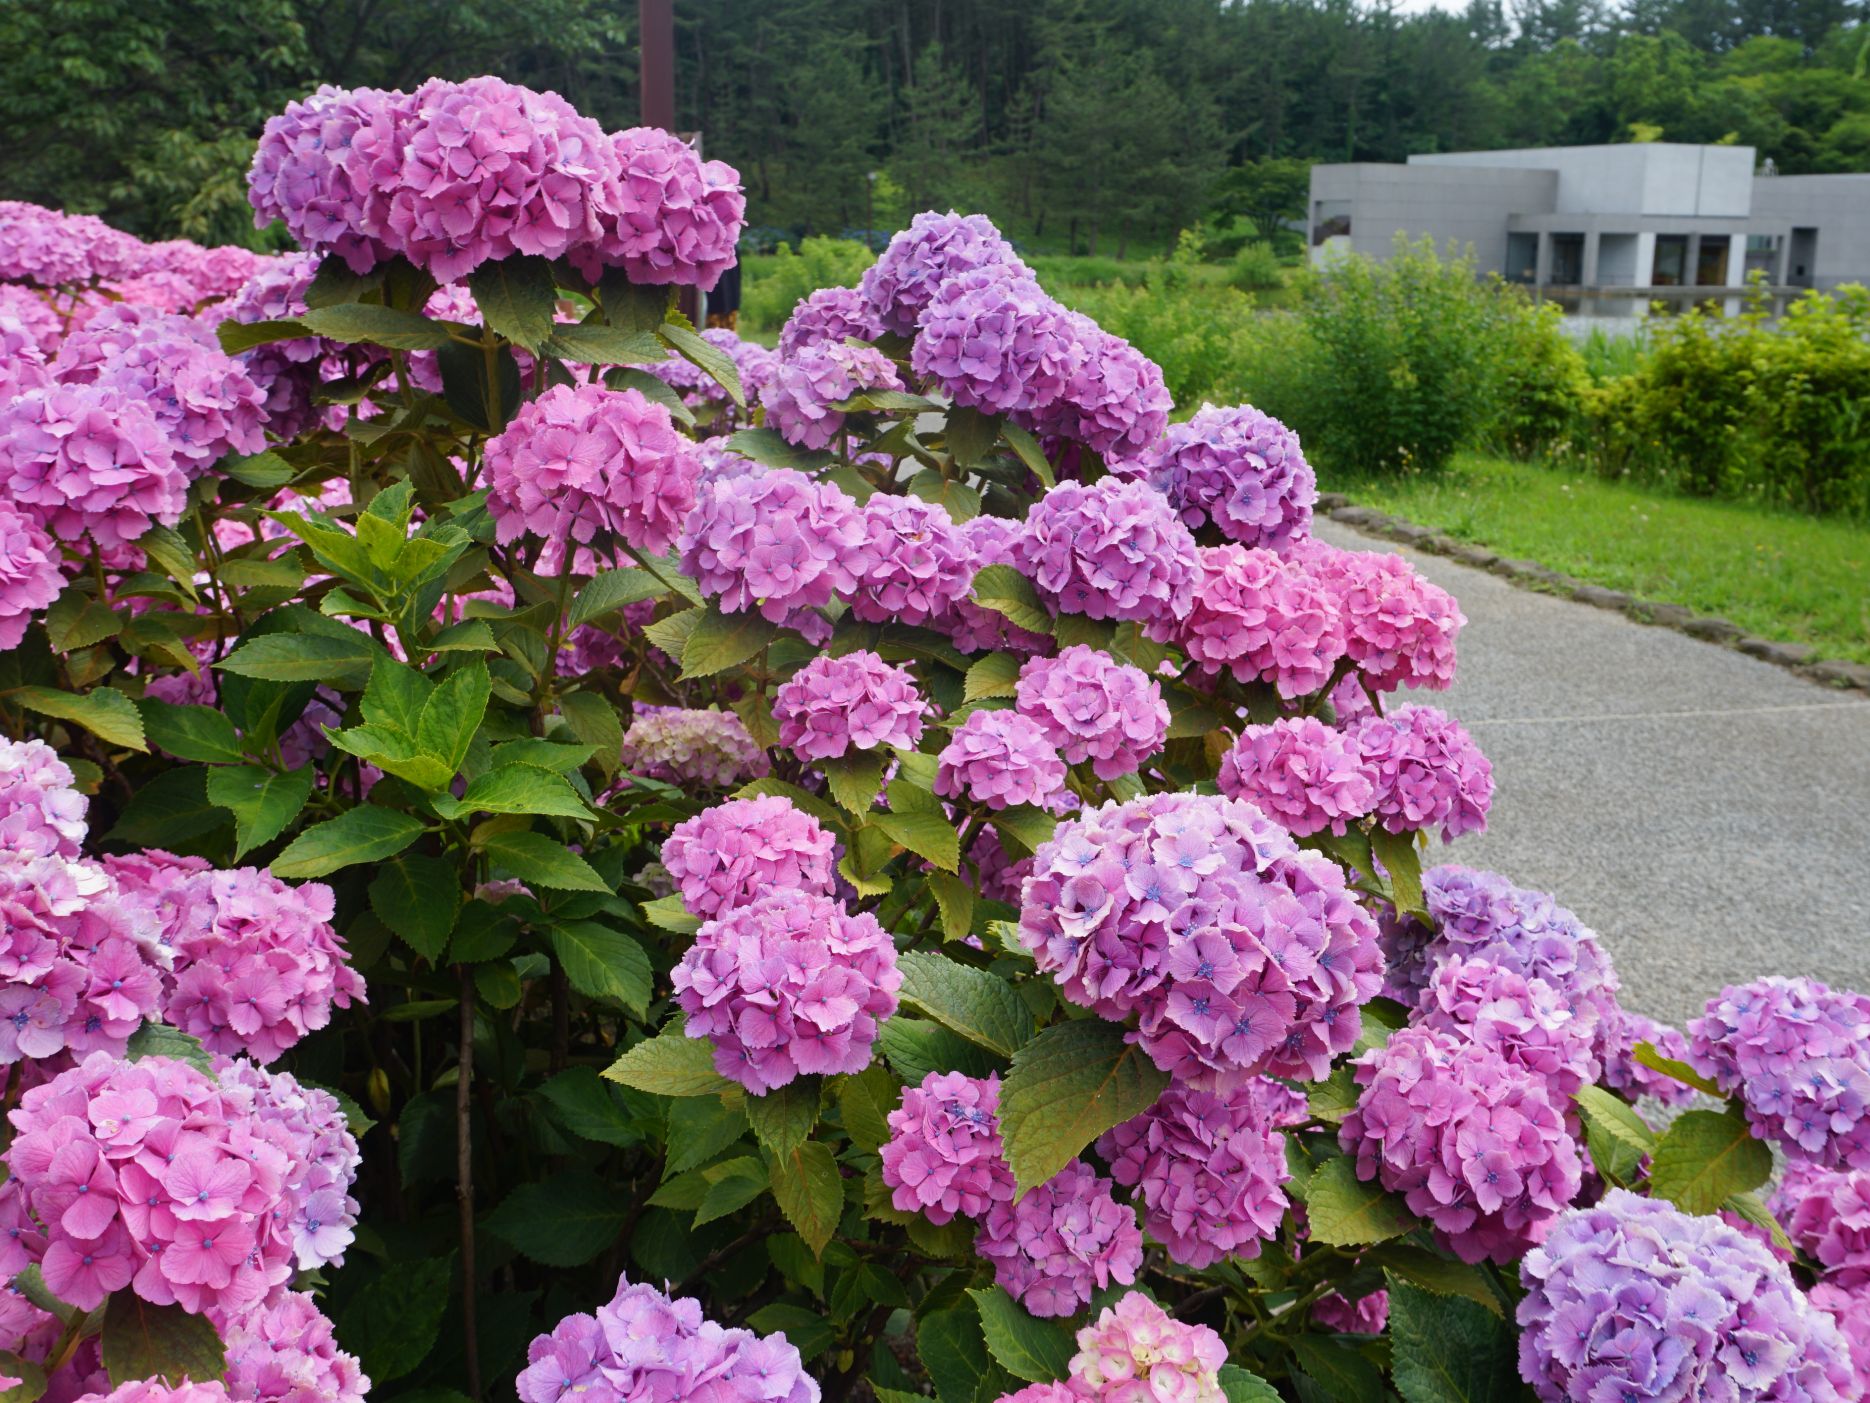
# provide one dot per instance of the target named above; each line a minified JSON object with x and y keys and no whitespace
{"x":1707,"y":814}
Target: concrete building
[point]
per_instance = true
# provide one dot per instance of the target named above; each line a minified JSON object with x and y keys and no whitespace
{"x":1607,"y":230}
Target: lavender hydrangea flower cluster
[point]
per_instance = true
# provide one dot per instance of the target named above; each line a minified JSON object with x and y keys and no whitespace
{"x":1623,"y":1073}
{"x":798,"y":399}
{"x":726,"y":856}
{"x":41,"y":811}
{"x":788,"y":985}
{"x":456,"y":174}
{"x":90,"y":459}
{"x":916,"y":564}
{"x":998,"y":759}
{"x":1113,"y":550}
{"x":707,"y":749}
{"x":1237,"y":952}
{"x":1476,"y":1146}
{"x":1061,"y":1241}
{"x":944,"y":1155}
{"x":1209,"y":1169}
{"x":1301,"y":773}
{"x":994,"y":341}
{"x":1093,"y":708}
{"x":1481,"y":915}
{"x":646,"y":1347}
{"x":855,"y":701}
{"x":1797,"y":1054}
{"x":286,"y":1351}
{"x":831,"y":314}
{"x":1826,"y":1213}
{"x":1113,"y":401}
{"x":591,"y":465}
{"x":934,"y":249}
{"x":1428,"y":772}
{"x":1239,"y":470}
{"x":778,"y":542}
{"x":1633,"y":1298}
{"x":1523,"y":1019}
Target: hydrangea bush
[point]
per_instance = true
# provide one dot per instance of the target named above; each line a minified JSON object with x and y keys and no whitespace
{"x":546,"y":853}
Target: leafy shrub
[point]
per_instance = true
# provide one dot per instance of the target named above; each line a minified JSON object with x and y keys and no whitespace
{"x":1203,"y":336}
{"x":863,"y":891}
{"x":773,"y":283}
{"x":1403,"y":361}
{"x":1748,"y":408}
{"x":1255,"y":267}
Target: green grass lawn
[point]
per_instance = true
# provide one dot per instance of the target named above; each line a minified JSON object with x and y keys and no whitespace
{"x":1779,"y":575}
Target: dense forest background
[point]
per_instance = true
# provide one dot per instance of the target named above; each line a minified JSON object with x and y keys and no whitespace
{"x":1098,"y":125}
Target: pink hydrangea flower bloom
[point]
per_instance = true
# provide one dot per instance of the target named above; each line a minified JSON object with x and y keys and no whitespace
{"x":995,"y":341}
{"x":1301,"y":773}
{"x":726,"y":856}
{"x":41,"y":812}
{"x":944,"y":1156}
{"x":788,"y":985}
{"x":1476,"y":1146}
{"x":592,"y":465}
{"x":1136,"y":1352}
{"x":1094,"y":708}
{"x":998,"y":759}
{"x":669,"y":217}
{"x":1525,"y":1020}
{"x":1429,"y":773}
{"x":1236,"y":951}
{"x":1398,"y":628}
{"x":31,"y":571}
{"x":1261,"y":618}
{"x":799,"y":396}
{"x":1061,"y":1241}
{"x":917,"y":565}
{"x":91,"y":458}
{"x":854,"y":701}
{"x":1113,"y":550}
{"x":1113,"y":401}
{"x":286,"y":1351}
{"x":1208,"y":1169}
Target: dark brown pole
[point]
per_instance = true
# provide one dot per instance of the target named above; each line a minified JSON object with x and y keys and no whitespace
{"x":656,"y":19}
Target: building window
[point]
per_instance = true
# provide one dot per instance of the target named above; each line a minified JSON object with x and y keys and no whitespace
{"x":1331,"y":219}
{"x":1567,"y":261}
{"x":1671,"y":266}
{"x":1522,"y":258}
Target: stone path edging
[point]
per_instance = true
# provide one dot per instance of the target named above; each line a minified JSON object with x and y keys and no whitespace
{"x":1797,"y":657}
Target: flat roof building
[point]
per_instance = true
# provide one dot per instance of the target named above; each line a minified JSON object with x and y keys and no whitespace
{"x":1606,"y":230}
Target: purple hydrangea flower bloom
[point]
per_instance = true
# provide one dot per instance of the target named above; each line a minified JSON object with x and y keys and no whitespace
{"x":1113,"y":550}
{"x":831,"y":314}
{"x":777,"y":542}
{"x":1260,"y":618}
{"x":726,"y":856}
{"x":1481,"y":915}
{"x":917,"y":564}
{"x":1367,"y":1315}
{"x":707,"y":749}
{"x":931,"y":251}
{"x":91,"y":458}
{"x":592,"y":465}
{"x":646,"y":1347}
{"x":669,"y":216}
{"x":856,"y":701}
{"x":799,"y":396}
{"x":1136,"y":1352}
{"x":1826,"y":1213}
{"x":327,"y":166}
{"x":286,"y":1350}
{"x":1094,"y":708}
{"x":1849,"y":1309}
{"x":1525,"y":1020}
{"x":1238,"y":952}
{"x":1063,"y":1240}
{"x":1000,"y":758}
{"x":1428,"y":771}
{"x":1475,"y":1145}
{"x":1113,"y":400}
{"x":1622,"y":1072}
{"x":1634,"y":1299}
{"x":995,"y":341}
{"x":1398,"y":628}
{"x":41,"y":811}
{"x":1208,"y":1168}
{"x":788,"y":985}
{"x":1238,"y":469}
{"x":1301,"y":773}
{"x":944,"y":1156}
{"x":1797,"y":1054}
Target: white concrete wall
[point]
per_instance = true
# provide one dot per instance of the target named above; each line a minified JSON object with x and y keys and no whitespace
{"x":1631,"y":178}
{"x":1837,"y":206}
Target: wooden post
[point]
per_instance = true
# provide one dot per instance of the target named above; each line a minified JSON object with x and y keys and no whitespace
{"x":656,"y":23}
